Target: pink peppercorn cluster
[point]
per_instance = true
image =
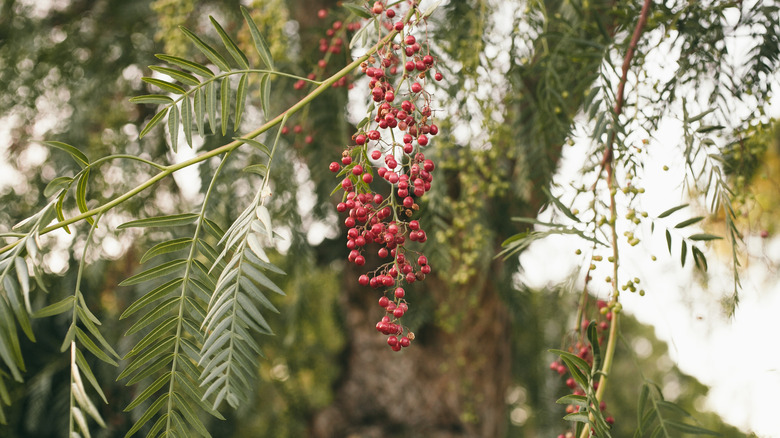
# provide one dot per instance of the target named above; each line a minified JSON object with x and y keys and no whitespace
{"x":385,"y":171}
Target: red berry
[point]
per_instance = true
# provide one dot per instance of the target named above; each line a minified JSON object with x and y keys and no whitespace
{"x":384,"y":301}
{"x":404,"y":342}
{"x":399,"y":292}
{"x":428,"y":59}
{"x":392,"y":340}
{"x":334,"y":167}
{"x":374,"y":135}
{"x":390,"y":13}
{"x":399,"y":25}
{"x":357,"y":170}
{"x":367,"y":178}
{"x":322,"y":13}
{"x":346,"y":160}
{"x":363,"y":280}
{"x":416,"y":87}
{"x":422,"y":140}
{"x":378,"y":8}
{"x":438,"y":76}
{"x":422,"y":260}
{"x":409,"y":66}
{"x":360,"y":139}
{"x":410,"y":39}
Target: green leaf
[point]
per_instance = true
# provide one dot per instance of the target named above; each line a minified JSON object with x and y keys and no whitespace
{"x":150,"y":412}
{"x":260,"y":278}
{"x":211,"y":106}
{"x":56,"y":308}
{"x":698,"y":117}
{"x":690,"y":221}
{"x":699,"y":259}
{"x":704,"y":237}
{"x":155,"y":272}
{"x":709,"y":128}
{"x":87,"y":342}
{"x":207,"y":50}
{"x":256,"y":144}
{"x":56,"y":185}
{"x":173,"y":220}
{"x":58,"y":210}
{"x":200,"y":110}
{"x":186,"y":119}
{"x":166,"y":247}
{"x":240,"y":100}
{"x":259,"y":169}
{"x":149,"y":391}
{"x":189,"y":415}
{"x":184,"y":78}
{"x":19,"y":310}
{"x":77,"y":155}
{"x":593,"y":337}
{"x":231,"y":47}
{"x":152,"y":99}
{"x":357,"y":10}
{"x":224,"y":96}
{"x":265,"y":95}
{"x":669,"y":241}
{"x":163,"y":85}
{"x":571,"y":399}
{"x":161,"y":330}
{"x":581,"y":417}
{"x":257,"y":37}
{"x":147,"y":357}
{"x":81,"y":195}
{"x":565,"y":210}
{"x":158,"y":312}
{"x":671,"y":210}
{"x":191,"y":66}
{"x":84,"y":367}
{"x":152,"y":123}
{"x":683,"y":253}
{"x":689,"y":428}
{"x":173,"y":127}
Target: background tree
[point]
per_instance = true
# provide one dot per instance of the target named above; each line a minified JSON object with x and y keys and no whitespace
{"x":511,"y":101}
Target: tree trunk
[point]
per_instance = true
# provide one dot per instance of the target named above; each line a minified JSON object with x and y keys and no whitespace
{"x":444,"y":385}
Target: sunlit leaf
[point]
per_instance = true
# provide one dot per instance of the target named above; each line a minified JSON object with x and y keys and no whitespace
{"x":240,"y":100}
{"x":152,"y":99}
{"x":165,"y":86}
{"x":77,"y":155}
{"x":184,"y":78}
{"x":191,"y":66}
{"x":173,"y":220}
{"x":152,"y":123}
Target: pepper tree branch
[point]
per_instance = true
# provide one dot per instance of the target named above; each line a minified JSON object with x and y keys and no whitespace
{"x":607,"y":164}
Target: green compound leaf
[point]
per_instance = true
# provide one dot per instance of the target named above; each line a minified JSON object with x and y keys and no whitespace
{"x":155,"y":272}
{"x":200,"y":110}
{"x":207,"y":50}
{"x":257,"y":37}
{"x":704,"y":237}
{"x":56,"y":308}
{"x":265,"y":94}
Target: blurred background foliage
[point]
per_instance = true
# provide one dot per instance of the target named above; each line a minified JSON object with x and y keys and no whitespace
{"x":67,"y":69}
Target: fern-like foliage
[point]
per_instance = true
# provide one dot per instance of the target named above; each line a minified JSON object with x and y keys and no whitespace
{"x":195,"y":86}
{"x":170,"y":316}
{"x":657,"y":417}
{"x":229,"y":350}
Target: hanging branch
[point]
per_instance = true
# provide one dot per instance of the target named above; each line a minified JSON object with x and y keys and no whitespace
{"x":607,"y":163}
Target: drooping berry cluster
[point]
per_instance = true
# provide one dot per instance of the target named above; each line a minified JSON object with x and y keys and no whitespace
{"x":390,"y":144}
{"x":584,"y":350}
